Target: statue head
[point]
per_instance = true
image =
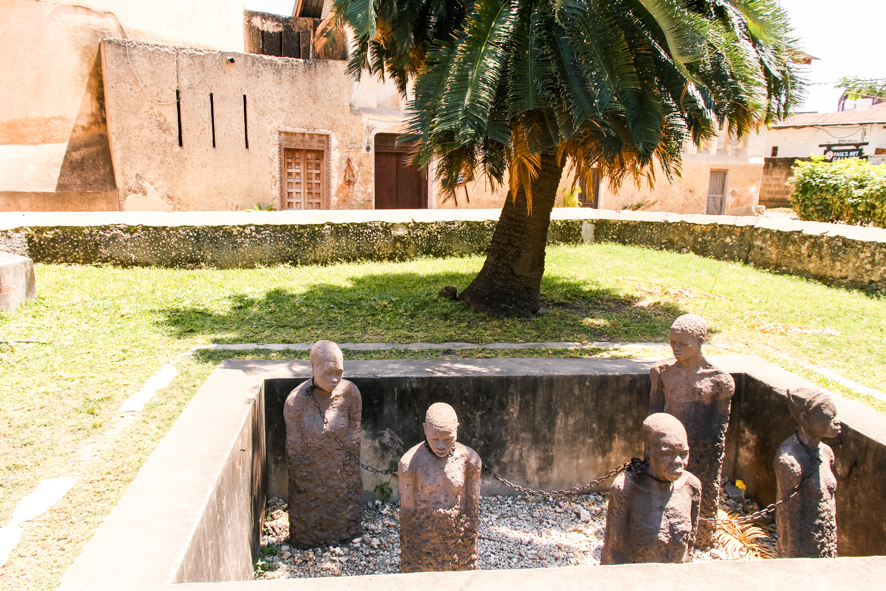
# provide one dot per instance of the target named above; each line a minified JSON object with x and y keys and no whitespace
{"x":666,"y":446}
{"x":441,"y":428}
{"x":688,"y":333}
{"x":814,"y":412}
{"x":327,"y":364}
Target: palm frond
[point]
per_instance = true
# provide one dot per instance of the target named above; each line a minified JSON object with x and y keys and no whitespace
{"x":742,"y":541}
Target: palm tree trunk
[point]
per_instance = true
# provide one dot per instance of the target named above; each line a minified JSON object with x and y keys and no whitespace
{"x":509,"y":283}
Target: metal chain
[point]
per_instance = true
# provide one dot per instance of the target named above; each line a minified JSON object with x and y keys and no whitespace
{"x":769,"y":509}
{"x":351,"y":455}
{"x":354,"y":458}
{"x":562,"y":493}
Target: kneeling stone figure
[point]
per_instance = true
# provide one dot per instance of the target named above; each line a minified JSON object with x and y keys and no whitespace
{"x":653,"y":515}
{"x":439,"y":498}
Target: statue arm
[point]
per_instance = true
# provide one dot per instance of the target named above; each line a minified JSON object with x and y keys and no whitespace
{"x":727,"y":391}
{"x":615,"y":537}
{"x":407,"y":487}
{"x":788,"y":473}
{"x":656,"y":393}
{"x":473,"y":469}
{"x":292,"y":412}
{"x":355,"y":413}
{"x":694,"y":511}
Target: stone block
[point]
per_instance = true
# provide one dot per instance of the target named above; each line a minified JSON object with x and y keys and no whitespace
{"x":17,"y":281}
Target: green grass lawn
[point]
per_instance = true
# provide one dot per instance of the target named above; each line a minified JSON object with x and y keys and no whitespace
{"x":104,"y":331}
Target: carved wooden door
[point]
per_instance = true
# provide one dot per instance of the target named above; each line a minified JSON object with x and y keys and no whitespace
{"x":303,"y":175}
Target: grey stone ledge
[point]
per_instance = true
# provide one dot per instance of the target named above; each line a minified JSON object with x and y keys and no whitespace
{"x":15,"y":220}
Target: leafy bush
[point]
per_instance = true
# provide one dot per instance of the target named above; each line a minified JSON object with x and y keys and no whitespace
{"x":850,"y":191}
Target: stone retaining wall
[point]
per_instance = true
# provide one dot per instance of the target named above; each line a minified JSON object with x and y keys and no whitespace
{"x":837,"y":254}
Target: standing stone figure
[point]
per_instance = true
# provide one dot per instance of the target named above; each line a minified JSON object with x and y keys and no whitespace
{"x":807,"y":523}
{"x":439,"y":498}
{"x":653,"y":514}
{"x":325,"y":484}
{"x":699,"y":394}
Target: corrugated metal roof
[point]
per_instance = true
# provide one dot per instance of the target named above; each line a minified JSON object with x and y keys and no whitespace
{"x":309,"y":8}
{"x":875,"y":114}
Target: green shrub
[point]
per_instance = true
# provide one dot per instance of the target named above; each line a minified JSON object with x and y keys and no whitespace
{"x":850,"y":191}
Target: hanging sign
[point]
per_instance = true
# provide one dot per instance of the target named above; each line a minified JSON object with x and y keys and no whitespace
{"x":834,"y":152}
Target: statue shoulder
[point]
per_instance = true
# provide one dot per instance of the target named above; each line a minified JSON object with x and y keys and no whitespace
{"x":472,"y":457}
{"x":621,"y":485}
{"x":407,"y":459}
{"x":291,"y":400}
{"x":662,"y":366}
{"x":693,"y":483}
{"x":786,"y":456}
{"x":724,"y":377}
{"x":350,"y":390}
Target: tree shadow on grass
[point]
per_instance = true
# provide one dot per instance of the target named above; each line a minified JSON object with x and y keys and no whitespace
{"x":406,"y":307}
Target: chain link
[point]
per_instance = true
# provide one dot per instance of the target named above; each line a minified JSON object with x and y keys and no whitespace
{"x":351,"y":455}
{"x":566,"y":492}
{"x":769,"y":509}
{"x":635,"y":465}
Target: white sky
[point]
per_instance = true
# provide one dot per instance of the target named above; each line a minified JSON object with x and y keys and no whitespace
{"x":844,"y":34}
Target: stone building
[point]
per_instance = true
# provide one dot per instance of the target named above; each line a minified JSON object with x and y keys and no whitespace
{"x":721,"y":178}
{"x":196,"y":105}
{"x":859,"y":133}
{"x":55,"y":149}
{"x":199,"y":105}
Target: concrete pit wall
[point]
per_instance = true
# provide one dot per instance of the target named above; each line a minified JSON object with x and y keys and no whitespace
{"x":193,"y":513}
{"x":837,"y":254}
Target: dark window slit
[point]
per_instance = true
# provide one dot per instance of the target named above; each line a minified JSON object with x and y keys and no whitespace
{"x":245,"y":124}
{"x":178,"y":108}
{"x":212,"y":116}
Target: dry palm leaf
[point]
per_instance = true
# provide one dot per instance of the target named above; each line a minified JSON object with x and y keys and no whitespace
{"x":785,"y":328}
{"x":742,"y":541}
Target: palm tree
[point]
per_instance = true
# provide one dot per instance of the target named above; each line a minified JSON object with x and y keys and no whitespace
{"x":523,"y":86}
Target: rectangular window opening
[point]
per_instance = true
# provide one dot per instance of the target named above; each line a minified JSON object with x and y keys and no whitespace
{"x":212,"y":117}
{"x":717,"y":193}
{"x":178,"y":108}
{"x":774,"y":151}
{"x":245,"y":124}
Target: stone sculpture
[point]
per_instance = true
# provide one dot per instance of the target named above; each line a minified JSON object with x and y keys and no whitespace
{"x":807,"y":522}
{"x":653,"y":512}
{"x":699,"y":394}
{"x":325,"y":484}
{"x":439,"y":498}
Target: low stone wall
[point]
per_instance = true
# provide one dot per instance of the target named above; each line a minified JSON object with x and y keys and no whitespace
{"x":837,"y":254}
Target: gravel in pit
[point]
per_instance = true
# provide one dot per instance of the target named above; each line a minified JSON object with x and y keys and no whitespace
{"x":515,"y":532}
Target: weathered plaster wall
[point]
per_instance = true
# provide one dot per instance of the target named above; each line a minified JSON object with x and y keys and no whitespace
{"x":475,"y":194}
{"x":838,"y":254}
{"x":742,"y":158}
{"x":53,"y":133}
{"x":283,"y":95}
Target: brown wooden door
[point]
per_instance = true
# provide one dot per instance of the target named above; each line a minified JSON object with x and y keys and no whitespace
{"x":398,"y":185}
{"x":304,"y":179}
{"x":590,"y":196}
